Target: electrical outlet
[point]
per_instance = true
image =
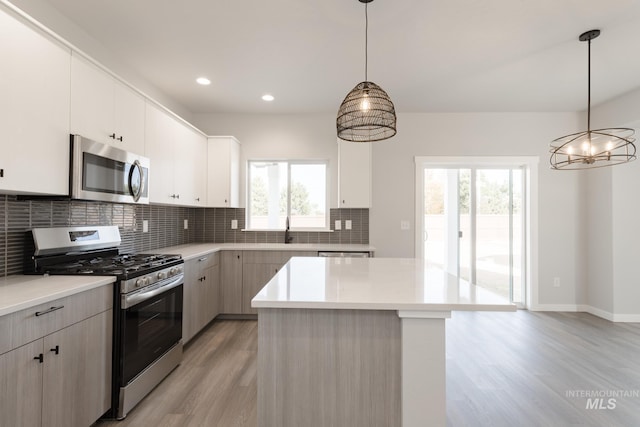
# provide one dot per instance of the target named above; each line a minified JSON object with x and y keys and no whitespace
{"x":186,"y":224}
{"x":338,"y":225}
{"x":404,"y":225}
{"x":145,"y":225}
{"x":347,"y":224}
{"x":556,"y":282}
{"x":234,"y":224}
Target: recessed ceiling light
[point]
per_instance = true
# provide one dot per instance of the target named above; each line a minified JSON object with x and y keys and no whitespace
{"x":203,"y":81}
{"x":267,"y":98}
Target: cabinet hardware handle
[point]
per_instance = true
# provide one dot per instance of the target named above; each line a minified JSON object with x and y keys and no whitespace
{"x":42,"y":313}
{"x":342,"y":201}
{"x":238,"y":256}
{"x":112,"y":136}
{"x":1,"y":173}
{"x":56,"y":350}
{"x":177,"y":196}
{"x":197,"y":199}
{"x":202,"y":259}
{"x":39,"y":357}
{"x":204,"y":278}
{"x":225,"y":200}
{"x":120,"y":138}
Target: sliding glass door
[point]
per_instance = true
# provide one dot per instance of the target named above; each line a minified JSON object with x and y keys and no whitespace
{"x":473,"y":225}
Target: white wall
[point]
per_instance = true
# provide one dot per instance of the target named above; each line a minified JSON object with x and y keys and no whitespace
{"x":614,"y":209}
{"x":626,"y":240}
{"x":278,"y":137}
{"x":599,"y":229}
{"x":561,"y":251}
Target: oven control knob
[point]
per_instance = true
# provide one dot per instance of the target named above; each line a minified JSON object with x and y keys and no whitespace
{"x":173,"y":271}
{"x":139,"y":282}
{"x":147,"y":280}
{"x":162,"y":275}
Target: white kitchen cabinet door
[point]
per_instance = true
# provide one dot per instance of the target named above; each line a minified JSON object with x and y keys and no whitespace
{"x":34,"y":110}
{"x":105,"y":110}
{"x":354,"y":175}
{"x":160,"y":129}
{"x":178,"y":160}
{"x":92,"y":98}
{"x":190,"y":169}
{"x":223,"y":182}
{"x":129,"y":119}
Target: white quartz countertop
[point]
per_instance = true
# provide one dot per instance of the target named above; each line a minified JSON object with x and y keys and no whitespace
{"x":198,"y":249}
{"x":20,"y":292}
{"x":373,"y":284}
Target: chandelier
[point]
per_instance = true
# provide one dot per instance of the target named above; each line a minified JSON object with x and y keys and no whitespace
{"x":592,"y":148}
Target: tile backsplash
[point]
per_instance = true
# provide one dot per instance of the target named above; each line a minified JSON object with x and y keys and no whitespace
{"x":166,"y":226}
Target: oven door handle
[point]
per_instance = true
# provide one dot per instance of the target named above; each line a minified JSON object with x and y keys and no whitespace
{"x":131,"y":300}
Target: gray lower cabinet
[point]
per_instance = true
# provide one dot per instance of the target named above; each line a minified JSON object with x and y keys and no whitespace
{"x":201,"y":298}
{"x":21,"y":386}
{"x":254,"y":277}
{"x":244,"y":273}
{"x":61,"y":379}
{"x":231,"y":282}
{"x":77,"y":373}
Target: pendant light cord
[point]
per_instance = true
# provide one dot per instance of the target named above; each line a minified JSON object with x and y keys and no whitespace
{"x":366,"y":41}
{"x":589,"y":90}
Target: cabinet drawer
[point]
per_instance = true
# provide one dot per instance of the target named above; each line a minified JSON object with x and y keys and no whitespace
{"x":24,"y":326}
{"x":262,"y":257}
{"x":208,"y":260}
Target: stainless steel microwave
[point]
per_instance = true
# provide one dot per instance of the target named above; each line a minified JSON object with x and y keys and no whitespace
{"x":105,"y":173}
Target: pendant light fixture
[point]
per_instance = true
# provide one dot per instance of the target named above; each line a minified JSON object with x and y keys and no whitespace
{"x":592,"y":148}
{"x":367,"y":113}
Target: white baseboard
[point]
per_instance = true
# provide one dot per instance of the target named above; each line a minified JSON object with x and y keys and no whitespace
{"x":555,"y":307}
{"x":622,"y":318}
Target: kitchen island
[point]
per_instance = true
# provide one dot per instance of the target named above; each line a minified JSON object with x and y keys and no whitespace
{"x":358,"y":342}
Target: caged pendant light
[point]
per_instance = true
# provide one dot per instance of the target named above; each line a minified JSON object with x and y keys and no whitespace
{"x":592,"y":148}
{"x":367,"y":113}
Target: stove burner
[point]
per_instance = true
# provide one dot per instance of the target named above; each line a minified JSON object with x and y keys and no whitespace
{"x":110,"y":263}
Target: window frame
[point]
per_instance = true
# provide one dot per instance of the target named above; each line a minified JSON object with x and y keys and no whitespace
{"x":289,"y":163}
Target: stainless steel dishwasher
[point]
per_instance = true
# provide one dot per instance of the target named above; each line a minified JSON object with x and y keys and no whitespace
{"x":328,"y":254}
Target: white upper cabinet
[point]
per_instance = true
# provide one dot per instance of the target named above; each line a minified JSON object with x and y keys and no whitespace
{"x":178,"y":160}
{"x":104,"y":109}
{"x":223,"y":182}
{"x":34,"y":110}
{"x":354,"y":174}
{"x":190,"y":169}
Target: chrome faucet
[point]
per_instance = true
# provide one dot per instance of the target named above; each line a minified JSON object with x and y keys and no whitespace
{"x":287,"y":238}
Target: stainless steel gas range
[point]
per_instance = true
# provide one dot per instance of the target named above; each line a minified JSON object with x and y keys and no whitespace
{"x":147,"y":324}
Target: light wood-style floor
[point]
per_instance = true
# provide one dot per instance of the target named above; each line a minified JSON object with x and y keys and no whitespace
{"x":503,"y":369}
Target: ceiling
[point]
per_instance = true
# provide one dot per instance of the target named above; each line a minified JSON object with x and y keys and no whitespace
{"x":429,"y":55}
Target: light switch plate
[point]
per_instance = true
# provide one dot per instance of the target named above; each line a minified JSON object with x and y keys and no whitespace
{"x":186,"y":224}
{"x":404,"y":225}
{"x":234,"y":224}
{"x":338,"y":225}
{"x":347,"y":224}
{"x":145,"y":225}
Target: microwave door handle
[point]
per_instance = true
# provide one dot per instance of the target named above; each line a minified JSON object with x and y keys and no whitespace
{"x":136,"y":195}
